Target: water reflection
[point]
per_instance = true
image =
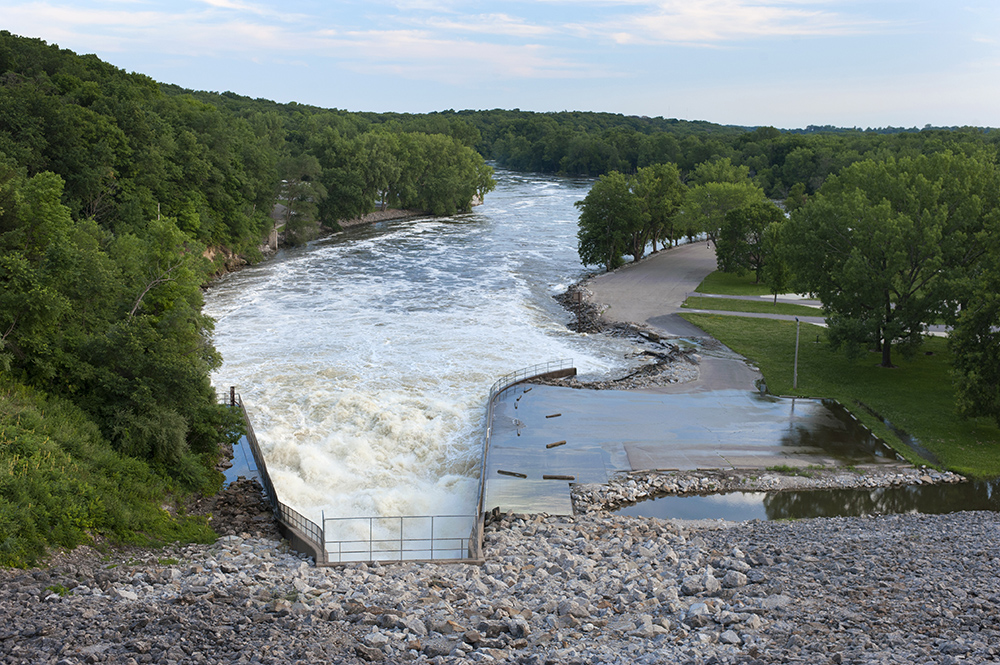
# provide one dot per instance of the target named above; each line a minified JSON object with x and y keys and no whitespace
{"x":243,"y":464}
{"x":740,"y":506}
{"x":825,"y":424}
{"x":904,"y":437}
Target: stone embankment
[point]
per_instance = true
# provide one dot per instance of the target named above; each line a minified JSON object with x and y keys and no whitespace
{"x":627,"y":488}
{"x":389,"y":215}
{"x":590,"y":589}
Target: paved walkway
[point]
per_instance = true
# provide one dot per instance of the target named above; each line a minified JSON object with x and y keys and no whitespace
{"x":650,"y":291}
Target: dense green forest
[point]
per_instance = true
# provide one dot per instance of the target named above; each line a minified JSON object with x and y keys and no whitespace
{"x":114,"y":190}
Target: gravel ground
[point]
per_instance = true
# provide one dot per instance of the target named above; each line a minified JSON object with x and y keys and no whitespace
{"x":595,"y":588}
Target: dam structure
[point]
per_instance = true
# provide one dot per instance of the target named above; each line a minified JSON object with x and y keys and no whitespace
{"x":364,"y":359}
{"x":382,"y":538}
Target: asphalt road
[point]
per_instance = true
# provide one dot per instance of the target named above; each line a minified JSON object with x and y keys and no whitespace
{"x":651,"y":293}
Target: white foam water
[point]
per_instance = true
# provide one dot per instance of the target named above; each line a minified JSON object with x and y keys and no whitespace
{"x":365,"y":359}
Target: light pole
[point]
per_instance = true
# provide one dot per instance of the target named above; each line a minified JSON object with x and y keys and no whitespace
{"x":795,"y":368}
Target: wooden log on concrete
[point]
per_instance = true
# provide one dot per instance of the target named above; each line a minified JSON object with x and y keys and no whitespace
{"x":513,"y":474}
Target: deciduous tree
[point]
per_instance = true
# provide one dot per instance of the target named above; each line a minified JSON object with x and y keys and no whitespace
{"x":609,"y":216}
{"x":705,"y":206}
{"x":660,"y":188}
{"x":741,"y":246}
{"x":889,"y":246}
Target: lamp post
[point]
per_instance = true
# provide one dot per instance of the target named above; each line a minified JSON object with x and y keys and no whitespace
{"x":795,"y":368}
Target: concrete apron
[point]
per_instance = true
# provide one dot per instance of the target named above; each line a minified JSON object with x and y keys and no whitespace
{"x":544,"y":438}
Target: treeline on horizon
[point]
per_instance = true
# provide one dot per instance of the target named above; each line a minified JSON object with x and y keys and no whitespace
{"x":114,"y":189}
{"x":579,"y":143}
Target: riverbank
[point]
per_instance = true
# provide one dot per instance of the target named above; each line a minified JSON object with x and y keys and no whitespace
{"x":392,"y":214}
{"x":587,"y":589}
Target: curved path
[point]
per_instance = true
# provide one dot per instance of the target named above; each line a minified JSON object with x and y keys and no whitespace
{"x":651,"y":292}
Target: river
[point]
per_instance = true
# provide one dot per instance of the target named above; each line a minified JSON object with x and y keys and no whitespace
{"x":365,"y":359}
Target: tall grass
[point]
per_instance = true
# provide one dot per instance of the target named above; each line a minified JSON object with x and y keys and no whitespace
{"x":62,"y":485}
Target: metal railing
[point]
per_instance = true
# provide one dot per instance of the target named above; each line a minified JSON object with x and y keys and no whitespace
{"x":526,"y":374}
{"x":287,"y":515}
{"x":410,"y":538}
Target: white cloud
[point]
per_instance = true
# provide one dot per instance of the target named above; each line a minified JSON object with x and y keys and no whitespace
{"x":255,"y":9}
{"x":490,"y":24}
{"x":215,"y":31}
{"x":419,"y":54}
{"x":716,"y":21}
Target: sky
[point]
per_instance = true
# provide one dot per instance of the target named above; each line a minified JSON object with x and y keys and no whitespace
{"x":786,"y":63}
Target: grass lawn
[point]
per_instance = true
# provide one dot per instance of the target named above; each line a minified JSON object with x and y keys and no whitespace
{"x":728,"y":284}
{"x":917,"y":396}
{"x":763,"y":306}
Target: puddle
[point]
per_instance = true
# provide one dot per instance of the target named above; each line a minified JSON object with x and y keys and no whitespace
{"x":910,"y":441}
{"x":740,"y":506}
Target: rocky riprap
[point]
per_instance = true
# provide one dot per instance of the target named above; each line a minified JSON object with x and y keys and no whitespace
{"x":666,"y":361}
{"x":587,"y":589}
{"x":628,"y":488}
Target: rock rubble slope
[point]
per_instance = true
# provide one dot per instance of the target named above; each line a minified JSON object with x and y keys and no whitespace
{"x":591,"y":589}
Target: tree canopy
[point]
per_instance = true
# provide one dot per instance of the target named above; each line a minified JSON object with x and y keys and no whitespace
{"x":888,"y":245}
{"x":609,"y":216}
{"x":742,"y":245}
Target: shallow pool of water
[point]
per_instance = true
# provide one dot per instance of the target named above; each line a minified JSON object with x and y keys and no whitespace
{"x":740,"y":506}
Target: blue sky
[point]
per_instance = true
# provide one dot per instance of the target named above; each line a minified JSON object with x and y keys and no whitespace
{"x":788,"y":63}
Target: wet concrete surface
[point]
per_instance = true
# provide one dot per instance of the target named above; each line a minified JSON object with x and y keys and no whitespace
{"x":610,"y":431}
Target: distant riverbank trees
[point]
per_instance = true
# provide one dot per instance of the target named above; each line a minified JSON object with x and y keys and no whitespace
{"x":411,"y":170}
{"x":623,"y":214}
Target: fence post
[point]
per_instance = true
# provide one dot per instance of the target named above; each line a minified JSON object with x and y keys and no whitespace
{"x":232,"y":395}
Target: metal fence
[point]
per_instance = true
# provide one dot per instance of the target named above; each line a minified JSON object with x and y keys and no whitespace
{"x":403,"y":538}
{"x":410,"y":538}
{"x":285,"y":513}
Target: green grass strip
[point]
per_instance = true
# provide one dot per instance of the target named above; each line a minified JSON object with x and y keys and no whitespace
{"x":917,"y":396}
{"x":762,"y":306}
{"x":729,"y":284}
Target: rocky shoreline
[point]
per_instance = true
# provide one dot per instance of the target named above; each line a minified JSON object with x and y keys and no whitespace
{"x":377,"y":216}
{"x":594,"y":588}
